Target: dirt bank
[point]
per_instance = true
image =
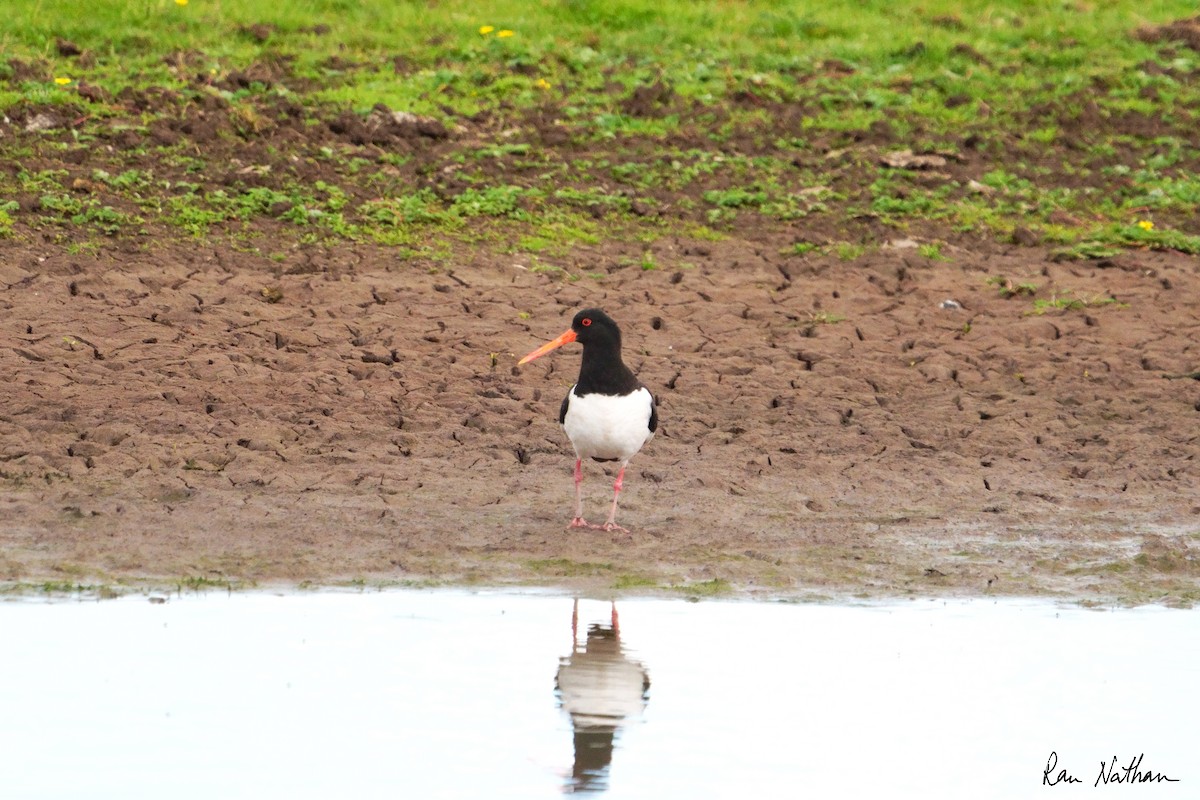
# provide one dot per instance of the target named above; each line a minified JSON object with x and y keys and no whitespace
{"x":828,"y":426}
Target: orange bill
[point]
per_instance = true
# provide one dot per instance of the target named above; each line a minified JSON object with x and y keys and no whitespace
{"x":567,"y":337}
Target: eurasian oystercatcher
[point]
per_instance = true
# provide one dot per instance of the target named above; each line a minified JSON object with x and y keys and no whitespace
{"x":608,"y":414}
{"x":602,"y":688}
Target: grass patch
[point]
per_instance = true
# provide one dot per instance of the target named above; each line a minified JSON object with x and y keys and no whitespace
{"x":566,"y":568}
{"x":1076,"y":303}
{"x":825,"y":318}
{"x":712,"y":588}
{"x":634,"y":582}
{"x":675,"y":118}
{"x":1084,"y":251}
{"x":848,"y":251}
{"x":1007,"y":288}
{"x":200,"y":583}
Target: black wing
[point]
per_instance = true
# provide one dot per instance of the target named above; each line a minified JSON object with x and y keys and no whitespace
{"x":653,"y":414}
{"x":562,"y":411}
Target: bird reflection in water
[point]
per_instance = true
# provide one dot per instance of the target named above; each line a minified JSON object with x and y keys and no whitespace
{"x":600,"y":687}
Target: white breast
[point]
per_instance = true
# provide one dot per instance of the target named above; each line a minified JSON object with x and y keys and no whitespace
{"x":608,"y":426}
{"x":601,"y":690}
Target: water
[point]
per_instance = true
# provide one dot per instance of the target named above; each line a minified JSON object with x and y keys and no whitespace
{"x":438,"y":694}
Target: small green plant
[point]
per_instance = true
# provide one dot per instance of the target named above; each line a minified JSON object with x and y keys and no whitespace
{"x":710,"y":588}
{"x":63,"y":204}
{"x":566,"y":567}
{"x":625,"y":581}
{"x":794,"y":206}
{"x":130,"y":179}
{"x":494,"y":201}
{"x":593,"y":199}
{"x":199,"y":583}
{"x":106,"y":218}
{"x":421,"y":207}
{"x":825,"y":318}
{"x":735,"y":198}
{"x":258,"y":200}
{"x":932,"y":251}
{"x":1044,"y":305}
{"x":1084,"y":251}
{"x":6,"y":222}
{"x":1147,"y":234}
{"x":186,"y":213}
{"x":502,"y":150}
{"x":1009,"y":289}
{"x":801,"y":248}
{"x":87,"y":212}
{"x":916,"y":204}
{"x":848,"y":251}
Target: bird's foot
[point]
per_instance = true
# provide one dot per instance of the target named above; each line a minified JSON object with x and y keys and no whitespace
{"x":580,"y":522}
{"x":612,"y":526}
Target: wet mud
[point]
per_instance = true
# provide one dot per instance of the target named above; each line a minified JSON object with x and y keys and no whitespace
{"x":883,"y":425}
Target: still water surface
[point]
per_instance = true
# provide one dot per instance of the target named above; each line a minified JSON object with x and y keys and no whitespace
{"x":445,"y":694}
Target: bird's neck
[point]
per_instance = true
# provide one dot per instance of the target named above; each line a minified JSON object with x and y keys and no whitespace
{"x":603,"y":372}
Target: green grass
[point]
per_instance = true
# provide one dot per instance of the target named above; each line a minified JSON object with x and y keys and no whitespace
{"x":565,"y":567}
{"x":825,"y":318}
{"x":848,"y":251}
{"x":932,"y":251}
{"x":703,"y":49}
{"x":634,"y":582}
{"x":769,"y":111}
{"x":200,"y":583}
{"x":711,"y":588}
{"x":1073,"y":303}
{"x":6,"y":221}
{"x":1007,"y":288}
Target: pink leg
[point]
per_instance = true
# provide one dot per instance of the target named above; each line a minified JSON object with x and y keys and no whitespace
{"x":616,"y":623}
{"x":575,"y":625}
{"x":578,"y":521}
{"x":612,"y":525}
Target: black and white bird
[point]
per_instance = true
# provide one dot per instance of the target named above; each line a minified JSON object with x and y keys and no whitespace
{"x":608,"y":414}
{"x":602,"y":688}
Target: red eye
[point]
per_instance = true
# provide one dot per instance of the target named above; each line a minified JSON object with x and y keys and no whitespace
{"x":585,"y":321}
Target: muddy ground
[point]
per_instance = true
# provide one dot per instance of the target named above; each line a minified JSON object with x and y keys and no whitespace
{"x":243,"y":407}
{"x":162,"y":420}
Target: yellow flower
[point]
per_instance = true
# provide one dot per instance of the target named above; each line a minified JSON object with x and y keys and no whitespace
{"x":542,"y":83}
{"x":181,"y":2}
{"x":484,"y":30}
{"x":1146,"y":225}
{"x":62,"y":81}
{"x":504,"y":34}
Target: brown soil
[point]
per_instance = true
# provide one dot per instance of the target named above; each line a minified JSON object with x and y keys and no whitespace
{"x":161,"y":418}
{"x":188,"y":410}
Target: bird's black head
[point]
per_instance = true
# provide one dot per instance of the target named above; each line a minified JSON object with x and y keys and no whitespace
{"x":593,"y":326}
{"x":601,"y":369}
